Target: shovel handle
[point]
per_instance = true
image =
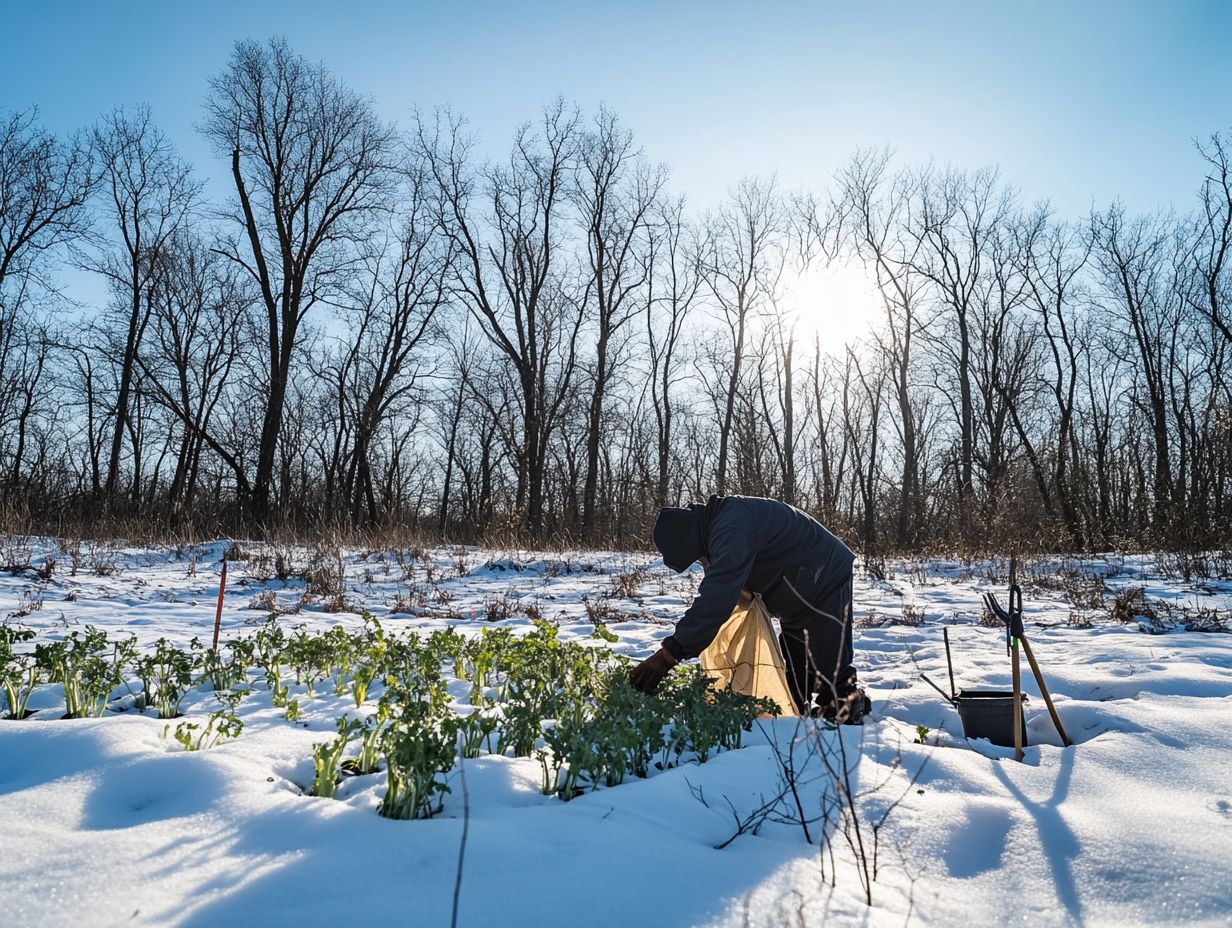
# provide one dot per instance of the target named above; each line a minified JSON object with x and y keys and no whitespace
{"x":1018,"y":755}
{"x":949,"y":663}
{"x":1039,"y":678}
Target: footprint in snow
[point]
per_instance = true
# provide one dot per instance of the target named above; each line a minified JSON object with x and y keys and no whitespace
{"x":1222,"y":807}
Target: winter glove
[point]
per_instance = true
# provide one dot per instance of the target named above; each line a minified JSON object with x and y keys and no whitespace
{"x":647,"y":675}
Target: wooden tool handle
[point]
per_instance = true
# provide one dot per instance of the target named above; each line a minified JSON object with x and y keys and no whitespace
{"x":1018,"y":755}
{"x":1039,"y":678}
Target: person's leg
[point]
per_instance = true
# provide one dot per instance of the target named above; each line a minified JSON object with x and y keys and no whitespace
{"x":796,"y":656}
{"x":829,"y":636}
{"x":817,"y":649}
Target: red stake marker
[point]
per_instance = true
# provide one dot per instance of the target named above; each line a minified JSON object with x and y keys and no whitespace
{"x":222,"y":585}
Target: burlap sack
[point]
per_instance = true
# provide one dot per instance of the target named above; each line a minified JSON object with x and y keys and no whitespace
{"x":745,"y":656}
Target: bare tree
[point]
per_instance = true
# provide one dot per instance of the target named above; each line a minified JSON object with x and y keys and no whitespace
{"x":311,"y":165}
{"x":615,"y":193}
{"x":672,"y":295}
{"x":1211,"y":253}
{"x":955,"y":214}
{"x":511,"y":274}
{"x":450,"y":411}
{"x":833,"y":447}
{"x":1133,"y":258}
{"x":778,"y":407}
{"x":195,"y":341}
{"x":862,"y":403}
{"x":392,"y":320}
{"x":149,"y":192}
{"x":874,"y":210}
{"x":45,"y":185}
{"x":742,"y":263}
{"x":1051,"y":256}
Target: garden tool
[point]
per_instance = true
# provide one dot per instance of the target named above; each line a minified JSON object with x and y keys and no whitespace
{"x":1015,"y":635}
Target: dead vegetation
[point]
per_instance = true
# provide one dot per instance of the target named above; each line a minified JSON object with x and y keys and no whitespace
{"x":1133,"y":606}
{"x":602,"y":611}
{"x":626,"y":585}
{"x":497,"y":608}
{"x":910,"y":616}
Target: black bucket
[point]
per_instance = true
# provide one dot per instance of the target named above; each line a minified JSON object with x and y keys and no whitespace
{"x":989,"y":714}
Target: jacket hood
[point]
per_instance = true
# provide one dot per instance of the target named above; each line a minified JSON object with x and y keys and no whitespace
{"x":678,"y":536}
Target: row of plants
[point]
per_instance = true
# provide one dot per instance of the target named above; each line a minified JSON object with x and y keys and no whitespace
{"x":567,"y":703}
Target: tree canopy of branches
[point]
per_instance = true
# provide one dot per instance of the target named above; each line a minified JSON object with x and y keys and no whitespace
{"x":381,"y":326}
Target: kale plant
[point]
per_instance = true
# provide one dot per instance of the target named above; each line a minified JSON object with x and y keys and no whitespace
{"x":326,"y":758}
{"x":221,"y":725}
{"x":81,"y":663}
{"x":19,"y":672}
{"x":419,"y":747}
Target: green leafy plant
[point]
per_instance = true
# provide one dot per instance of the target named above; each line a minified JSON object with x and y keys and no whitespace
{"x":223,"y":672}
{"x":269,"y":645}
{"x":373,"y":729}
{"x":166,"y":675}
{"x":88,"y":673}
{"x":706,"y":720}
{"x":327,"y":756}
{"x":322,"y":656}
{"x":603,"y":633}
{"x":604,"y":742}
{"x":20,"y":673}
{"x":474,"y":731}
{"x":419,"y":747}
{"x":219,"y":726}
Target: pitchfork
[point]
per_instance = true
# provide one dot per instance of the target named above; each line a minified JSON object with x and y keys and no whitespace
{"x":1013,"y":635}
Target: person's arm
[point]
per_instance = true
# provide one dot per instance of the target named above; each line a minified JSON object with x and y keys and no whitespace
{"x":731,"y":560}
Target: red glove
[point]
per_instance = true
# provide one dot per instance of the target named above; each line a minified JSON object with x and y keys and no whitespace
{"x":647,"y":675}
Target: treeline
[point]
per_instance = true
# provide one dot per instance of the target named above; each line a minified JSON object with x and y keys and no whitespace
{"x":380,"y":328}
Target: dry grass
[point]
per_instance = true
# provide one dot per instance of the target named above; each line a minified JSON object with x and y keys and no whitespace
{"x":531,"y":609}
{"x":1131,"y":604}
{"x":602,"y":611}
{"x":873,"y":619}
{"x":326,"y":572}
{"x":626,"y":585}
{"x":497,"y":608}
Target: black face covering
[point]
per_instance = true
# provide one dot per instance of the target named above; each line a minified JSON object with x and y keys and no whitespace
{"x":677,"y":535}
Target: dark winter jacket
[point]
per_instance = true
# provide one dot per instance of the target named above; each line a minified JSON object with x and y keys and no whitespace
{"x":752,"y":544}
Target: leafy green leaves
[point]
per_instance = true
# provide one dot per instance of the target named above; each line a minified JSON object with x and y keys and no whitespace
{"x":567,"y":703}
{"x":19,"y":673}
{"x":87,"y":667}
{"x":219,"y":726}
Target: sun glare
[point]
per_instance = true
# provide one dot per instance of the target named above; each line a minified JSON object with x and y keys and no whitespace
{"x":837,"y":303}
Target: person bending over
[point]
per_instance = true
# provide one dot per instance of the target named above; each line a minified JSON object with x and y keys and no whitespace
{"x":804,"y":575}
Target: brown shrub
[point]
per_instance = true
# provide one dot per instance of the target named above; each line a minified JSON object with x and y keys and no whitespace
{"x":625,"y":585}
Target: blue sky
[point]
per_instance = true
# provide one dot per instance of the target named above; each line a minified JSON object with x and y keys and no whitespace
{"x":1076,"y":101}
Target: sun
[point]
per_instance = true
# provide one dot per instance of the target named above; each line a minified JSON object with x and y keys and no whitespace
{"x":838,"y":303}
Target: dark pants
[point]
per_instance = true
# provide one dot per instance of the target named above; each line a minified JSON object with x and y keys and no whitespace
{"x":817,"y":649}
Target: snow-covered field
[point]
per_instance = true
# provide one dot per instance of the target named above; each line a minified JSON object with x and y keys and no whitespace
{"x":104,"y":822}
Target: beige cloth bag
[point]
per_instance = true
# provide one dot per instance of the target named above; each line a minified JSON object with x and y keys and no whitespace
{"x":745,"y":656}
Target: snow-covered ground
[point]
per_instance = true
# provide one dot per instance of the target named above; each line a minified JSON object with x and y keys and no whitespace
{"x":104,"y":822}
